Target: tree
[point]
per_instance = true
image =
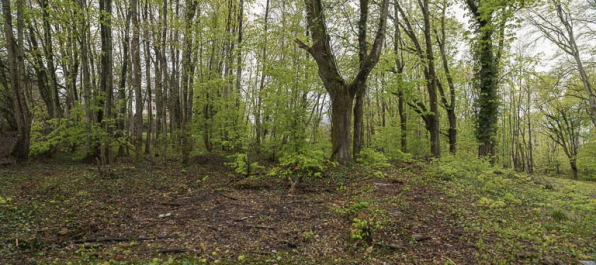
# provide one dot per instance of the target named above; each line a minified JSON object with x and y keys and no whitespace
{"x":424,"y":51}
{"x":16,"y":67}
{"x":563,"y":32}
{"x":563,"y":124}
{"x":490,"y":19}
{"x":106,"y":78}
{"x":341,"y":92}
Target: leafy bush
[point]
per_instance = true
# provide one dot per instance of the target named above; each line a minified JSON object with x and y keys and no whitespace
{"x":241,"y":165}
{"x":295,"y":165}
{"x":48,"y":135}
{"x":451,"y":167}
{"x":306,"y":162}
{"x":373,"y":159}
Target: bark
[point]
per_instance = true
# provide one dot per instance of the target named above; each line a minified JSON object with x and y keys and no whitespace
{"x":86,"y":81}
{"x":431,"y":83}
{"x":122,"y":86}
{"x":136,"y":81}
{"x":16,"y":67}
{"x":430,"y":114}
{"x":42,"y":74}
{"x":399,"y":65}
{"x":448,"y":104}
{"x":106,"y":78}
{"x":258,"y":122}
{"x":50,"y":59}
{"x":187,"y":74}
{"x":164,"y":78}
{"x":147,"y":49}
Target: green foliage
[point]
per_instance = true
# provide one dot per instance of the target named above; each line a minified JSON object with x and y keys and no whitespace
{"x":373,"y":159}
{"x":241,"y":165}
{"x":450,"y":167}
{"x":57,"y":133}
{"x":306,"y":162}
{"x":508,"y":207}
{"x":363,"y":229}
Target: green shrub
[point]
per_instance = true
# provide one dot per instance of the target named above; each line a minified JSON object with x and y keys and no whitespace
{"x":241,"y":165}
{"x":373,"y":159}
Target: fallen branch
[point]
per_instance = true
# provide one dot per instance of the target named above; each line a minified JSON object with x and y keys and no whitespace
{"x":122,"y":239}
{"x":171,"y":251}
{"x":171,"y":204}
{"x":226,"y":196}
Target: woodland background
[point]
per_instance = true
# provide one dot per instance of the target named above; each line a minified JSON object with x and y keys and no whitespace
{"x":172,"y":79}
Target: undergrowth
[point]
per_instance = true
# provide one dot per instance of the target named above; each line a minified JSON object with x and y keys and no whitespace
{"x":511,"y":216}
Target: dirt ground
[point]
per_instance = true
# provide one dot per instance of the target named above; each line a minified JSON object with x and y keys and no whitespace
{"x":66,"y":211}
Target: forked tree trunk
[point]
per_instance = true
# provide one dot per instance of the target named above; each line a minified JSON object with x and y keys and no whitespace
{"x":341,"y":92}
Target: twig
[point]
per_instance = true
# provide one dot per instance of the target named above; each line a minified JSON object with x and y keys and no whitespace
{"x":226,"y":196}
{"x":171,"y":204}
{"x":173,"y":250}
{"x":122,"y":239}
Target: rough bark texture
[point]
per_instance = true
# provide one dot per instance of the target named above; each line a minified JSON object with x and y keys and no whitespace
{"x":16,"y":68}
{"x":106,"y":78}
{"x":136,"y":81}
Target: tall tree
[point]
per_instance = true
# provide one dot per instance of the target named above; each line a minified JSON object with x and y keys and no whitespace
{"x":563,"y":32}
{"x":136,"y":79}
{"x":342,"y":92}
{"x":16,"y":67}
{"x":490,"y":19}
{"x":106,"y":78}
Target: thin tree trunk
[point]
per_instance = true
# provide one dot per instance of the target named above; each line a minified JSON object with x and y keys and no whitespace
{"x":106,"y":78}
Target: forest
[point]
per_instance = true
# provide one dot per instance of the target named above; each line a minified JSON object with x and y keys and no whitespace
{"x":298,"y":132}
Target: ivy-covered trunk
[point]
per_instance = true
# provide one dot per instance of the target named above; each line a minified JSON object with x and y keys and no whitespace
{"x":487,"y":100}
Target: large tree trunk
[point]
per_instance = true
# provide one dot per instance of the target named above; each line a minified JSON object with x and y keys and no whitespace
{"x":342,"y":93}
{"x":358,"y":140}
{"x":573,"y":164}
{"x":486,"y":78}
{"x":341,"y":116}
{"x":16,"y":68}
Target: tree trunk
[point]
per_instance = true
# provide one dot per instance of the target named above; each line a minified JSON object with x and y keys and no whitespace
{"x":136,"y":81}
{"x":149,"y":105}
{"x":358,"y":140}
{"x":341,"y":116}
{"x":486,"y":78}
{"x":122,"y":86}
{"x":86,"y":81}
{"x":573,"y":164}
{"x":50,"y":59}
{"x":106,"y":79}
{"x":16,"y":68}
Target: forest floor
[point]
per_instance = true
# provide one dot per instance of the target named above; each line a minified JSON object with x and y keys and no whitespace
{"x":409,"y":213}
